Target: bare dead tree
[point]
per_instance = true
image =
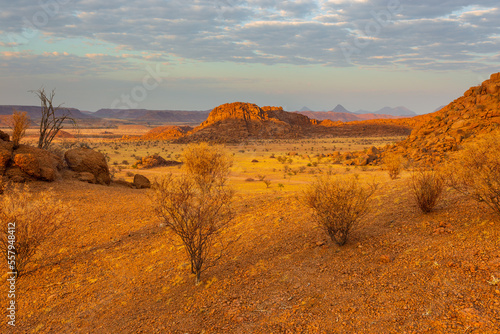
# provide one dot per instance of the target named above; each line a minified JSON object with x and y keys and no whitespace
{"x":50,"y":123}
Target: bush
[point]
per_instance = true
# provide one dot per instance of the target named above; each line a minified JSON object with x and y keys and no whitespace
{"x":475,"y":171}
{"x":394,"y":163}
{"x":207,"y":164}
{"x":338,"y":204}
{"x":427,"y":188}
{"x":196,"y":206}
{"x":19,"y":122}
{"x":196,"y":214}
{"x":27,"y":221}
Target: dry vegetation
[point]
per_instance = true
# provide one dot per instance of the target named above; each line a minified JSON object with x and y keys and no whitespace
{"x":27,"y":220}
{"x":427,"y":186}
{"x":338,"y":205}
{"x":113,"y":268}
{"x":19,"y":122}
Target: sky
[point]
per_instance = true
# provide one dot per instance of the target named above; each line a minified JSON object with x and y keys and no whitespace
{"x":196,"y":55}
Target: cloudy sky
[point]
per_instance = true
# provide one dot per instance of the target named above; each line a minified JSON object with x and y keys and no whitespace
{"x":195,"y":55}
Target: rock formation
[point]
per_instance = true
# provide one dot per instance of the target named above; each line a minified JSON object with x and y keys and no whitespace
{"x":27,"y":163}
{"x":166,"y":132}
{"x":233,"y":122}
{"x":141,"y":182}
{"x":155,"y":161}
{"x":474,"y":114}
{"x":85,"y":160}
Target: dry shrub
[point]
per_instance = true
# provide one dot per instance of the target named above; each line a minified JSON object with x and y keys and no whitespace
{"x":475,"y":171}
{"x":19,"y":122}
{"x":28,"y":220}
{"x":394,"y":164}
{"x":208,"y":164}
{"x":427,"y":187}
{"x":196,"y":206}
{"x":338,"y":204}
{"x":197,"y":215}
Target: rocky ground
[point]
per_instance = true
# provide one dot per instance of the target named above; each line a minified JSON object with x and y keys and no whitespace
{"x":112,"y":268}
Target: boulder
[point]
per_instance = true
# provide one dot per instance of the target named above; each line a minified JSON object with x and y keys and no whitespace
{"x":37,"y":163}
{"x":155,"y":161}
{"x":141,"y":182}
{"x":6,"y":149}
{"x":90,"y":161}
{"x":4,"y":136}
{"x":373,"y":151}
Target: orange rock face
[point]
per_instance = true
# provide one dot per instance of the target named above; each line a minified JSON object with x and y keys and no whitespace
{"x":233,"y":122}
{"x":474,"y":114}
{"x":166,"y":132}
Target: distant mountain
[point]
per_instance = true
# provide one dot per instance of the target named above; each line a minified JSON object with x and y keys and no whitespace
{"x":34,"y":112}
{"x":340,"y":108}
{"x":331,"y":115}
{"x":173,"y":116}
{"x":344,"y":116}
{"x":397,"y":111}
{"x":305,"y":109}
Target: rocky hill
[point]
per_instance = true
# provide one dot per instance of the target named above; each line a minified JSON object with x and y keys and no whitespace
{"x":166,"y":132}
{"x":474,"y":114}
{"x":233,"y":122}
{"x":34,"y":112}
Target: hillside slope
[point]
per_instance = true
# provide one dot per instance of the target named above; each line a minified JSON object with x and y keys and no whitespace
{"x":474,"y":114}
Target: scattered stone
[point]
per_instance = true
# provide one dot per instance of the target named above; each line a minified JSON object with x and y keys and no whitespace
{"x":141,"y":182}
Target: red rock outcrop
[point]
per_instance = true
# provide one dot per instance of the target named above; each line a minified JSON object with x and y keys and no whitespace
{"x":166,"y":132}
{"x":155,"y":161}
{"x":27,"y":163}
{"x":232,"y":122}
{"x":474,"y":114}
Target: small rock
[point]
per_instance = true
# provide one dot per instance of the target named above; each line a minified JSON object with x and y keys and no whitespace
{"x":141,"y":182}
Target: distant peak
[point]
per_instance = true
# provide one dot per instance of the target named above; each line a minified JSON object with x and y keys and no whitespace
{"x":340,"y":108}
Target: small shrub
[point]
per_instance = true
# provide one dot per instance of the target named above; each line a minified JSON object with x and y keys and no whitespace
{"x":267,"y":183}
{"x":195,"y":213}
{"x":394,"y":164}
{"x":207,"y":164}
{"x":475,"y":171}
{"x":249,"y":180}
{"x":338,"y":205}
{"x":19,"y":122}
{"x":27,"y":220}
{"x":427,"y":188}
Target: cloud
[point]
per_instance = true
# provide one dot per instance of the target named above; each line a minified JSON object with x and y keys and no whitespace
{"x":329,"y":32}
